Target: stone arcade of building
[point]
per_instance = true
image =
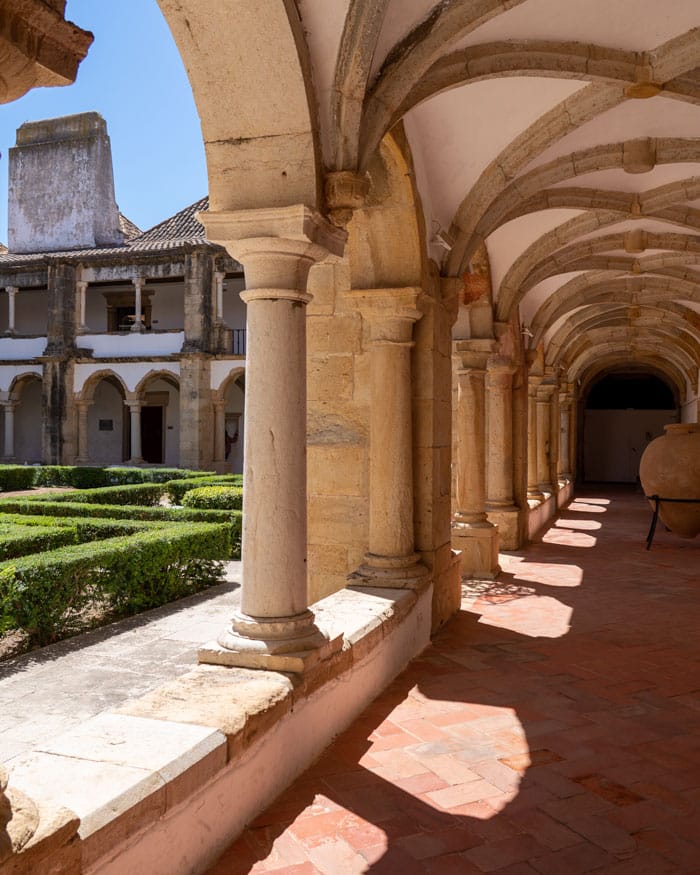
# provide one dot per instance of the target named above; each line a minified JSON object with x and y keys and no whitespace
{"x":117,"y":346}
{"x":455,"y":219}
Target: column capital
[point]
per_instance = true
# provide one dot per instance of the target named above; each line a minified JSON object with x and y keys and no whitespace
{"x":470,"y":355}
{"x":500,"y":370}
{"x":136,"y":281}
{"x":83,"y":403}
{"x":133,"y":404}
{"x":346,"y":191}
{"x":11,"y":290}
{"x":10,"y":403}
{"x":389,"y":312}
{"x":545,"y":391}
{"x":81,"y":285}
{"x":277,"y":246}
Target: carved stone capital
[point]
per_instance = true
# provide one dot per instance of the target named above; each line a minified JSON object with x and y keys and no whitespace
{"x":346,"y":191}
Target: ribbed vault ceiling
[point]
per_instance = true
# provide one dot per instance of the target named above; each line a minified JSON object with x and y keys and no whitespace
{"x":565,"y":136}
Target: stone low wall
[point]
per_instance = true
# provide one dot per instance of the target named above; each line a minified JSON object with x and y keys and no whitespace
{"x":164,"y":783}
{"x":542,"y":512}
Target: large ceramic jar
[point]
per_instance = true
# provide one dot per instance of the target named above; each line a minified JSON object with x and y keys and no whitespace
{"x":670,"y":468}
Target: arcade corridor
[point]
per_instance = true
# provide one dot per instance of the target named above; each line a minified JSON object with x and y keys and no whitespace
{"x":552,"y":727}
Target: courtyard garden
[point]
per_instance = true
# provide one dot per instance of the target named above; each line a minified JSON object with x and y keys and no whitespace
{"x":84,"y":546}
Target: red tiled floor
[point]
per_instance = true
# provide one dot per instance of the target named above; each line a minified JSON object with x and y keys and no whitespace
{"x":552,"y":727}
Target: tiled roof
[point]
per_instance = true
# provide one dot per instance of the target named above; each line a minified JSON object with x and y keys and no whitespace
{"x":178,"y":230}
{"x":127,"y":227}
{"x":181,"y":226}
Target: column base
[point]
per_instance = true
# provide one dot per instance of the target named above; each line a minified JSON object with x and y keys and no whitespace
{"x":137,"y":461}
{"x":292,"y":644}
{"x":392,"y":572}
{"x":507,"y":519}
{"x":478,"y":545}
{"x":534,"y":494}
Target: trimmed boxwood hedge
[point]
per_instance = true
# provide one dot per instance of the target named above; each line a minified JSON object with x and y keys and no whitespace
{"x":176,"y":489}
{"x":214,"y":498}
{"x":126,"y":512}
{"x":22,"y":536}
{"x":46,"y":595}
{"x":146,"y":494}
{"x":16,"y":477}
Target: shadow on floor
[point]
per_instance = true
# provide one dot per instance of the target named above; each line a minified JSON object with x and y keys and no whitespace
{"x":552,"y":727}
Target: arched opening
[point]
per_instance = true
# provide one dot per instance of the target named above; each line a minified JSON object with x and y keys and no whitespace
{"x":108,"y":425}
{"x":234,"y":398}
{"x":160,"y":419}
{"x":623,"y":412}
{"x":25,"y":441}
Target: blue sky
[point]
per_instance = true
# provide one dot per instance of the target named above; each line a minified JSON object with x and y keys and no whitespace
{"x":134,"y":78}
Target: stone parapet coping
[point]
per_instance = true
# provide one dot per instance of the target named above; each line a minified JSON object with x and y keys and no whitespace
{"x":166,"y":781}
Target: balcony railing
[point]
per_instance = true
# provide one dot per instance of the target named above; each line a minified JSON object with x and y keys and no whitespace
{"x":238,"y":341}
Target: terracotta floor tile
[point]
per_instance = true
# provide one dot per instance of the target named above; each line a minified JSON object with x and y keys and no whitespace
{"x":518,"y":743}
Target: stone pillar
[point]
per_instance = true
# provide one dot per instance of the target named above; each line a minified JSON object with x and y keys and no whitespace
{"x":138,"y":325}
{"x":82,"y":408}
{"x":565,"y":437}
{"x":57,"y":413}
{"x":81,"y":287}
{"x":391,"y":559}
{"x":500,"y":504}
{"x":11,"y":299}
{"x":472,"y":532}
{"x":9,"y":408}
{"x":544,"y":438}
{"x":219,"y":433}
{"x":197,"y":316}
{"x":277,"y":247}
{"x":135,"y":412}
{"x":534,"y":493}
{"x":219,"y":296}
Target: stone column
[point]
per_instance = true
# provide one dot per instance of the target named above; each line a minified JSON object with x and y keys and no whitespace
{"x":472,"y":532}
{"x":219,"y":296}
{"x":565,"y":436}
{"x":554,"y":437}
{"x":9,"y":408}
{"x":274,"y":627}
{"x":534,"y":493}
{"x":82,"y":408}
{"x":81,"y":287}
{"x":391,"y":559}
{"x":135,"y":411}
{"x":544,"y":437}
{"x":500,"y":504}
{"x":219,"y":433}
{"x":138,"y":325}
{"x":11,"y":299}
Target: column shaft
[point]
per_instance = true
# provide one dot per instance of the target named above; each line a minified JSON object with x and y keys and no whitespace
{"x":544,"y":476}
{"x":277,"y":247}
{"x":219,"y":432}
{"x":391,"y":559}
{"x":135,"y":412}
{"x":499,"y":456}
{"x":565,"y":437}
{"x":533,"y":491}
{"x":11,"y":298}
{"x":472,"y":533}
{"x":83,"y":452}
{"x":9,"y":408}
{"x":138,"y":309}
{"x":82,"y":292}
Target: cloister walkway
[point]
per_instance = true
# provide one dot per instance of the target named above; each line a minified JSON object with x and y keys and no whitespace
{"x":552,"y":727}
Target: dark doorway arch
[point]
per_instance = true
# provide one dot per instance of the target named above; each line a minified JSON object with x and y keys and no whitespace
{"x":622,"y":412}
